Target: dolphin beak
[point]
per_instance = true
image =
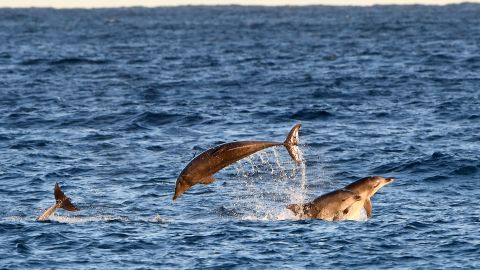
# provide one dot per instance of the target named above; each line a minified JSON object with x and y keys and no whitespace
{"x":389,"y":180}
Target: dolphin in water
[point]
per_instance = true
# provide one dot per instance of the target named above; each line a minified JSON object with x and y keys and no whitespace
{"x":366,"y":188}
{"x":332,"y":206}
{"x":61,"y":201}
{"x":202,"y":168}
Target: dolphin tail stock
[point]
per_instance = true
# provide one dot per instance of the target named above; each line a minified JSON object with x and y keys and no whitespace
{"x":291,"y":143}
{"x":62,"y":200}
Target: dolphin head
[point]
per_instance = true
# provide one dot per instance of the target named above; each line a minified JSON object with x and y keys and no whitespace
{"x":379,"y":182}
{"x":369,"y":185}
{"x":181,"y":186}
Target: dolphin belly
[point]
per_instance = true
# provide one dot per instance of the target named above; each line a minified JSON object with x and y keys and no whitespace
{"x":355,"y":212}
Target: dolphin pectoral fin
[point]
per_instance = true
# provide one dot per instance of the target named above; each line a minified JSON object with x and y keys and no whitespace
{"x":207,"y":180}
{"x":368,"y":207}
{"x":291,"y":143}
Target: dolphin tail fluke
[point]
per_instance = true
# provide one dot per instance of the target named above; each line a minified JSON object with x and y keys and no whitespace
{"x":62,"y":200}
{"x":291,"y":143}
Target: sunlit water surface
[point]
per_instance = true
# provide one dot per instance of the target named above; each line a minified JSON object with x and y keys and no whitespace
{"x":112,"y":104}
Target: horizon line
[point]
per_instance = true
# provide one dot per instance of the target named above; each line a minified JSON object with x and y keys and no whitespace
{"x":350,"y":4}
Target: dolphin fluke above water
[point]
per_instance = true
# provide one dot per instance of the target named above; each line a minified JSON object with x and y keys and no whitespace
{"x":291,"y":143}
{"x":61,"y":201}
{"x":202,"y":168}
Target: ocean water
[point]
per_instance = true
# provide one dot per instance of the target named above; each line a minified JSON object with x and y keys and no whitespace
{"x":113,"y":103}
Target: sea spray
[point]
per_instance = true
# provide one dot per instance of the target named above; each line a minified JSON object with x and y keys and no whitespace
{"x":85,"y":219}
{"x":268,"y":182}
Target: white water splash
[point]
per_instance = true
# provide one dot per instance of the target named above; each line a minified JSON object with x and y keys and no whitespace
{"x":269,"y":182}
{"x":157,"y":219}
{"x":85,"y":219}
{"x":15,"y":219}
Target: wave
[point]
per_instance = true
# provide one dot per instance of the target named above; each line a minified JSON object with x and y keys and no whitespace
{"x":30,"y":144}
{"x":466,"y":170}
{"x":154,"y":119}
{"x":78,"y":61}
{"x":311,"y":114}
{"x":63,"y":61}
{"x":441,"y":165}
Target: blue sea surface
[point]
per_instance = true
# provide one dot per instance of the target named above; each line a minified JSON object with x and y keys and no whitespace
{"x":113,"y":103}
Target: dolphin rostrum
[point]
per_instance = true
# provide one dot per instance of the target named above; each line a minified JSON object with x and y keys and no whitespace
{"x":202,"y":168}
{"x":61,"y":201}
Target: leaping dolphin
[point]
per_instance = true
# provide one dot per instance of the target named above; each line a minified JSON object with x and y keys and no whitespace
{"x":61,"y":201}
{"x":202,"y":168}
